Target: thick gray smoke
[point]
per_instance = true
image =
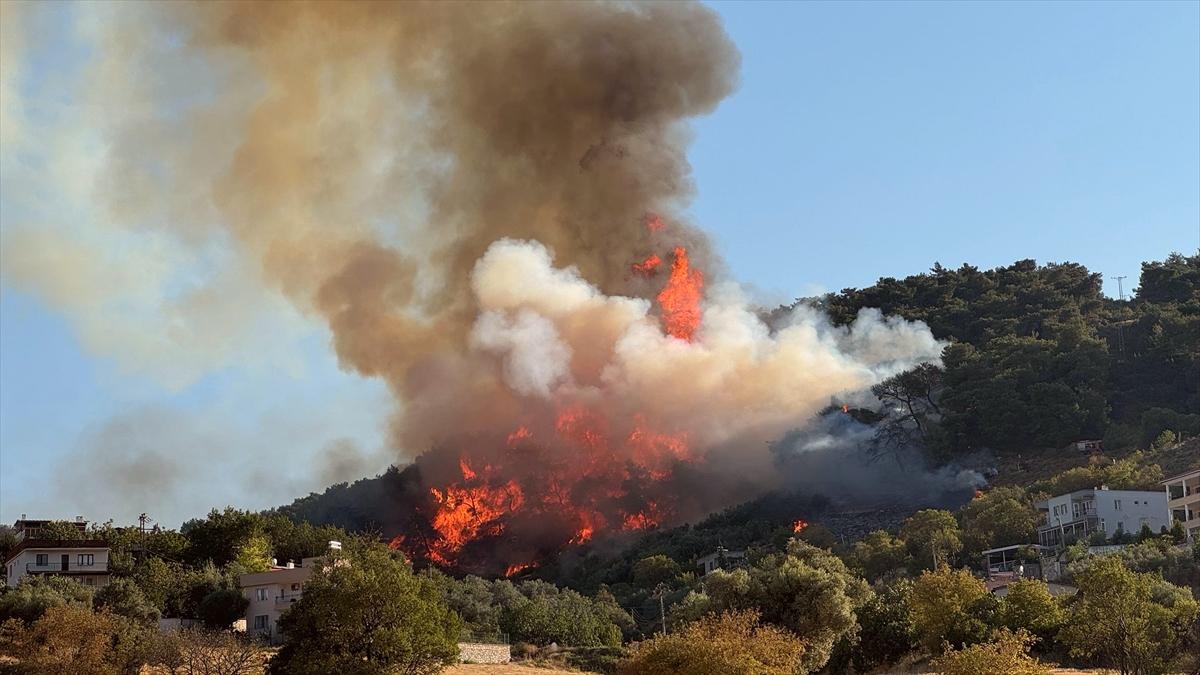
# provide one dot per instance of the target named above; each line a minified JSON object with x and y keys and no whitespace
{"x":835,"y":455}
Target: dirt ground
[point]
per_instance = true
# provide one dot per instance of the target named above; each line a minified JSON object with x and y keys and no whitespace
{"x":504,"y":669}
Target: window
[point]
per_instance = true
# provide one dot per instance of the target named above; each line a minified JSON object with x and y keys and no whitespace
{"x":260,"y":622}
{"x":262,"y":595}
{"x":295,"y":587}
{"x":1117,"y":504}
{"x":1075,"y":510}
{"x":86,"y":559}
{"x":43,"y":559}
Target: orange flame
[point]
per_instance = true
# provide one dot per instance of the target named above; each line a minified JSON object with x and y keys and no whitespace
{"x":396,"y":542}
{"x":521,"y":433}
{"x":465,"y":468}
{"x":680,"y":298}
{"x":645,"y":519}
{"x":603,"y":470}
{"x":799,"y":526}
{"x":647,"y":267}
{"x":466,"y":513}
{"x":515,"y":568}
{"x":845,"y":408}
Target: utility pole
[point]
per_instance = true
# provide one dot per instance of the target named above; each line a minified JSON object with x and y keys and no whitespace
{"x":1121,"y":286}
{"x":142,"y":520}
{"x":661,"y":590}
{"x":1121,"y":324}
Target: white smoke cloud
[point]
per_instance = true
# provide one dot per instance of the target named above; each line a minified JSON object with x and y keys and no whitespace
{"x":535,"y":358}
{"x":736,"y":379}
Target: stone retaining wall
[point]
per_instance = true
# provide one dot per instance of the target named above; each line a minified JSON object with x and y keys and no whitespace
{"x":477,"y":652}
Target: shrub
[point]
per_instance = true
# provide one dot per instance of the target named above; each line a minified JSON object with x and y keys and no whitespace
{"x":887,"y":626}
{"x":1028,"y":606}
{"x":809,"y":591}
{"x":219,"y":609}
{"x":1006,"y":654}
{"x":211,"y":652}
{"x":366,"y":612}
{"x":733,"y":643}
{"x":595,"y":659}
{"x":651,"y":571}
{"x":72,"y":638}
{"x":1000,"y":517}
{"x":34,"y":595}
{"x":123,"y":598}
{"x":567,"y":619}
{"x":929,"y":533}
{"x":878,"y":555}
{"x":945,"y":607}
{"x":1130,"y":621}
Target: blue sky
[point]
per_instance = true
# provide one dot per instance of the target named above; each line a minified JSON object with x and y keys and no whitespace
{"x":873,"y":139}
{"x":865,"y":140}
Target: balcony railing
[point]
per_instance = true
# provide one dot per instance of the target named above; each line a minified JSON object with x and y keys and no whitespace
{"x":287,"y":599}
{"x":69,"y":567}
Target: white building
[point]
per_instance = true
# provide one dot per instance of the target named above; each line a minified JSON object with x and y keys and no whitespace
{"x":85,"y":560}
{"x":1077,"y":515}
{"x":719,"y":559}
{"x":271,"y":592}
{"x":1183,"y":499}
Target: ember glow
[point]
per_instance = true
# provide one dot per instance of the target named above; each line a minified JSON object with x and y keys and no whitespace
{"x":799,"y":526}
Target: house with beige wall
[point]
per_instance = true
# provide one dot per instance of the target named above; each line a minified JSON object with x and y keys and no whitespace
{"x":272,"y":592}
{"x":1183,"y":500}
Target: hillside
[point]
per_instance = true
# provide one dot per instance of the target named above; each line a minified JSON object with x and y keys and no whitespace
{"x":1037,"y":358}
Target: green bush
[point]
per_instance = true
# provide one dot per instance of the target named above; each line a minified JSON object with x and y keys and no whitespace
{"x":1127,"y":620}
{"x":123,"y":598}
{"x":946,"y":606}
{"x":367,"y":613}
{"x":219,"y":609}
{"x":30,"y":599}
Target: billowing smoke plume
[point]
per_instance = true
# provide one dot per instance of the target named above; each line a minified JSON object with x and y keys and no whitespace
{"x":484,"y":202}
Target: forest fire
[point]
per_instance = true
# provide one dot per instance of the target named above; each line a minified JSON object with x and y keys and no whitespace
{"x":586,"y":477}
{"x":799,"y":526}
{"x":581,"y":475}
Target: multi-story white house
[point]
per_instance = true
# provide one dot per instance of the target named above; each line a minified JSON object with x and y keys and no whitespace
{"x":270,"y":594}
{"x":1183,"y":499}
{"x":85,"y":560}
{"x":1079,"y":514}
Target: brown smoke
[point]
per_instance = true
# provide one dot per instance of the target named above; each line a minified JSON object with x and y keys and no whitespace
{"x":559,"y":122}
